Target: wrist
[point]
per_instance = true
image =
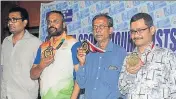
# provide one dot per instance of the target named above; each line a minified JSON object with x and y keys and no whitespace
{"x":41,"y":67}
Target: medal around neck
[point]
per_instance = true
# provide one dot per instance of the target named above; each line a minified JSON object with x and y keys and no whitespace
{"x":89,"y":47}
{"x":133,"y":59}
{"x":48,"y":51}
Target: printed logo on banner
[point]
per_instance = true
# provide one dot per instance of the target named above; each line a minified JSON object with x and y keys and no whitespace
{"x":117,"y":9}
{"x":82,"y":14}
{"x":159,"y":13}
{"x":88,"y":3}
{"x":135,"y":3}
{"x":61,"y":6}
{"x":159,"y":4}
{"x":143,"y":8}
{"x":173,"y":8}
{"x":76,"y":8}
{"x":129,"y":4}
{"x":93,"y":9}
{"x":173,"y":20}
{"x":150,"y":6}
{"x":68,"y":15}
{"x":164,"y":23}
{"x":131,"y":12}
{"x":73,"y":26}
{"x":82,"y":4}
{"x":102,"y":5}
{"x":167,"y":11}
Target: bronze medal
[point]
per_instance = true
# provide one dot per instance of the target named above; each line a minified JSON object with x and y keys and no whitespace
{"x":133,"y":59}
{"x":48,"y":51}
{"x":85,"y":46}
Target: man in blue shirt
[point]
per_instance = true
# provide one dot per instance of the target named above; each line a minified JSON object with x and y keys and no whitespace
{"x":99,"y":72}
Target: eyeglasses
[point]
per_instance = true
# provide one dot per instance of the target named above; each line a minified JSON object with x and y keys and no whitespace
{"x":138,"y":31}
{"x":99,"y":26}
{"x":13,"y":20}
{"x":54,"y":22}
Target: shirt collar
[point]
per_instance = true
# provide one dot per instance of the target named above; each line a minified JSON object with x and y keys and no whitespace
{"x":147,"y":49}
{"x":109,"y":46}
{"x":26,"y":35}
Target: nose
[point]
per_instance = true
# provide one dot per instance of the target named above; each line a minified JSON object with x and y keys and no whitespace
{"x":97,"y":30}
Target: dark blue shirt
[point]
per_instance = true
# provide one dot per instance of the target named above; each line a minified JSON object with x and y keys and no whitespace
{"x":100,"y":74}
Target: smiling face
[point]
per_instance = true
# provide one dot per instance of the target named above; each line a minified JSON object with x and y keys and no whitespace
{"x":15,"y":23}
{"x":141,"y":34}
{"x":101,"y":30}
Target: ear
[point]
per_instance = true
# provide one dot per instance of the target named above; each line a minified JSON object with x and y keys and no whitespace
{"x":64,"y":25}
{"x":152,"y":30}
{"x":111,"y":30}
{"x":25,"y":23}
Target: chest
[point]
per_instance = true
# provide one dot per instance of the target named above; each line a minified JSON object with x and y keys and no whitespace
{"x":105,"y":66}
{"x":154,"y":70}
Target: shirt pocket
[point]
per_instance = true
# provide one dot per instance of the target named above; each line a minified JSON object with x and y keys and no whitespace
{"x":112,"y":74}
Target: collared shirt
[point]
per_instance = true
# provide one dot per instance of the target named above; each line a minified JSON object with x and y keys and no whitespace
{"x":17,"y":61}
{"x":99,"y":76}
{"x":155,"y":80}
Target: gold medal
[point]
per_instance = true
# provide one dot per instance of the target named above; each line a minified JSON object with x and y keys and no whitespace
{"x":48,"y":51}
{"x":85,"y":46}
{"x":133,"y":59}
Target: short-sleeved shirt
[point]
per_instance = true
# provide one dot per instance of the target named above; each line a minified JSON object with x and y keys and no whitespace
{"x":57,"y":80}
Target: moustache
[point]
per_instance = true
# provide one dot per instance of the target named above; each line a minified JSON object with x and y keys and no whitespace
{"x":134,"y":39}
{"x":52,"y":29}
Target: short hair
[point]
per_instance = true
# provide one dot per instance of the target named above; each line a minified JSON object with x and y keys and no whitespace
{"x":147,"y":18}
{"x":110,"y":20}
{"x":23,"y":12}
{"x":55,"y":11}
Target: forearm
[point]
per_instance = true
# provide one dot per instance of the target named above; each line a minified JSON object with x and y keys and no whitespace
{"x":76,"y":91}
{"x":35,"y":72}
{"x":125,"y":81}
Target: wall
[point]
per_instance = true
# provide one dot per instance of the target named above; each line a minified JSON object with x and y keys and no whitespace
{"x":33,"y":8}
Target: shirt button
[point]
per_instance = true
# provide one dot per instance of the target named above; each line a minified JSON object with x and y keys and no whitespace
{"x":100,"y":57}
{"x":97,"y":78}
{"x":98,"y":67}
{"x":95,"y":88}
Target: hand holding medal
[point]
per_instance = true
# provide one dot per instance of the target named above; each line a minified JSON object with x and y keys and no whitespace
{"x":87,"y":46}
{"x":133,"y":63}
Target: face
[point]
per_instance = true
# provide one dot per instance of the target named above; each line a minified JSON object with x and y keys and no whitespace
{"x":141,"y":34}
{"x":101,"y":31}
{"x":55,"y":24}
{"x":15,"y":23}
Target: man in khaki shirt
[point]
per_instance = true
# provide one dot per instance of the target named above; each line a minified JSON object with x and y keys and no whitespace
{"x":18,"y":53}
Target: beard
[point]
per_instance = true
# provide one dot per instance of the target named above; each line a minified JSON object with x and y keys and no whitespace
{"x":53,"y":31}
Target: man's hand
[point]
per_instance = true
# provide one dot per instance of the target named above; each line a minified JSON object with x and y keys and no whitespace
{"x":46,"y":61}
{"x":81,"y":55}
{"x":134,"y":69}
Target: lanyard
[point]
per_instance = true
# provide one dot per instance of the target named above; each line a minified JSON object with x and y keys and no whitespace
{"x":58,"y":46}
{"x":50,"y":49}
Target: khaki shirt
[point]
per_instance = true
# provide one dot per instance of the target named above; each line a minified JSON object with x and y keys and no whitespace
{"x":17,"y":61}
